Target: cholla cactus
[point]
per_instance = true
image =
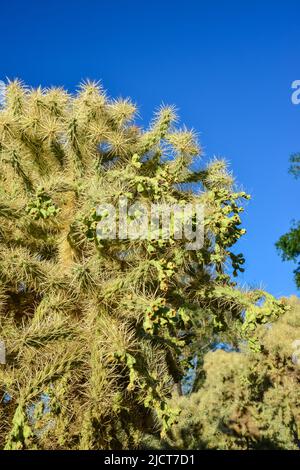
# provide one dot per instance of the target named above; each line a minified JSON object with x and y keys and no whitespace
{"x":96,"y":332}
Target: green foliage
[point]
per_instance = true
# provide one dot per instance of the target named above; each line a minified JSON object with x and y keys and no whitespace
{"x":106,"y":328}
{"x":288,"y":244}
{"x":289,"y":247}
{"x":248,"y":400}
{"x":295,"y":165}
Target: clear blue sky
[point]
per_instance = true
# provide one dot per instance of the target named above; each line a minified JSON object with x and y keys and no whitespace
{"x":227,"y":65}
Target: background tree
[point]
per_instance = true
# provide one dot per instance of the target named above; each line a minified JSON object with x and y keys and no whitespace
{"x":247,"y":400}
{"x":295,"y":165}
{"x":98,"y":332}
{"x":289,"y":244}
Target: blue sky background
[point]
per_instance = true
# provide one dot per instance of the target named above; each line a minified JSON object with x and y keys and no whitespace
{"x":227,"y":65}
